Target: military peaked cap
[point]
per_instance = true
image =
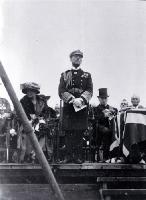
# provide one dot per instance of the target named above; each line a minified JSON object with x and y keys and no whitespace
{"x":77,"y":52}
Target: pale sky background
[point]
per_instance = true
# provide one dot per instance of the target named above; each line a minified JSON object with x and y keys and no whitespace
{"x":37,"y":36}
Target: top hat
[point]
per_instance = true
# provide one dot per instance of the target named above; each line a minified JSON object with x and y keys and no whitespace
{"x":30,"y":86}
{"x":77,"y":52}
{"x":103,"y":92}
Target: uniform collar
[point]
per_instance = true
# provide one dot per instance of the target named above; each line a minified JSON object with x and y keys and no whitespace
{"x":75,"y":69}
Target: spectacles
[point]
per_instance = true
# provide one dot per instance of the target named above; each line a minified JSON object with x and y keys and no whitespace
{"x":124,"y":104}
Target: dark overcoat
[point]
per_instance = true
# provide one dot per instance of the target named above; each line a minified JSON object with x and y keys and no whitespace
{"x":102,"y":122}
{"x":75,"y":84}
{"x":99,"y":115}
{"x":28,"y":106}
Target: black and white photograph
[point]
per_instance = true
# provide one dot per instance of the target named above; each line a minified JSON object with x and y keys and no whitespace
{"x":72,"y":99}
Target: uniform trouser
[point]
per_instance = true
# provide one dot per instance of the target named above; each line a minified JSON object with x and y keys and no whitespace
{"x":74,"y":144}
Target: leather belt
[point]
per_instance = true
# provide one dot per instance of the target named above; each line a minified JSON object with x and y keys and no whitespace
{"x":75,"y":90}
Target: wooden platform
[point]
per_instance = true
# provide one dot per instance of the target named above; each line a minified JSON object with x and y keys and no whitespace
{"x":84,"y":166}
{"x":77,"y":182}
{"x":68,"y":173}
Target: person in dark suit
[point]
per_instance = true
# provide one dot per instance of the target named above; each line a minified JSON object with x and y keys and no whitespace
{"x":75,"y":89}
{"x":104,"y":124}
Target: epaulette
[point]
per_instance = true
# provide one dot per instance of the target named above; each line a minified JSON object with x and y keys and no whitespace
{"x":86,"y":74}
{"x":67,"y":75}
{"x":64,"y":73}
{"x":67,"y":70}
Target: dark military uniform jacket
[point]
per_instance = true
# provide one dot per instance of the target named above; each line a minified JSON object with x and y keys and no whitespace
{"x":75,"y":83}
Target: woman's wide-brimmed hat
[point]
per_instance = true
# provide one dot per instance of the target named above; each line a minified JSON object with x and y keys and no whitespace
{"x":30,"y":86}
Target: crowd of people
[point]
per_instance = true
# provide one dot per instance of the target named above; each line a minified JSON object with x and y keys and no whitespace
{"x":73,"y":125}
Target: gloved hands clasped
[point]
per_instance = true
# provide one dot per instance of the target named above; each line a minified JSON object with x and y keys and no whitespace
{"x":78,"y":102}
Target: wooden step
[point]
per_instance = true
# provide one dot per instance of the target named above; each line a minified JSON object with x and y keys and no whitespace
{"x":120,"y":179}
{"x":106,"y":194}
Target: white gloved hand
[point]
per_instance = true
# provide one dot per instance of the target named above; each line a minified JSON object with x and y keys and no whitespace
{"x":72,"y":100}
{"x":78,"y":102}
{"x":13,"y":132}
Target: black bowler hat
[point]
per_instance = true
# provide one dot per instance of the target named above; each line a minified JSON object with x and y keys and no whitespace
{"x":103,"y":92}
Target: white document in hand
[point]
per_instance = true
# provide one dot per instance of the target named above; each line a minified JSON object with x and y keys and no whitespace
{"x":79,"y":108}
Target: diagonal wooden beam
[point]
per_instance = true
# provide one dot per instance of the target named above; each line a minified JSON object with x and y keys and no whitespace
{"x":28,"y":129}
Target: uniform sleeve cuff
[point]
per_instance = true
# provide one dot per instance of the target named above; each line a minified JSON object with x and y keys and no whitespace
{"x":84,"y":100}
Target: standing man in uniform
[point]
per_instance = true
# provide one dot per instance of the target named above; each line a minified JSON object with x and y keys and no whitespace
{"x":75,"y":89}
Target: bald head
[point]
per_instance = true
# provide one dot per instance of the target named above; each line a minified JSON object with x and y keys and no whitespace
{"x":135,"y":100}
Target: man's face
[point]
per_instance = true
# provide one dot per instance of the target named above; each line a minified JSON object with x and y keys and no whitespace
{"x":76,"y":60}
{"x":124,"y":104}
{"x":103,"y":100}
{"x":135,"y":101}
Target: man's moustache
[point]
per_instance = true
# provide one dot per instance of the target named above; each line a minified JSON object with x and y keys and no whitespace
{"x":76,"y":65}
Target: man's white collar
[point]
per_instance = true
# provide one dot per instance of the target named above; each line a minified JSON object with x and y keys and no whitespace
{"x":73,"y":68}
